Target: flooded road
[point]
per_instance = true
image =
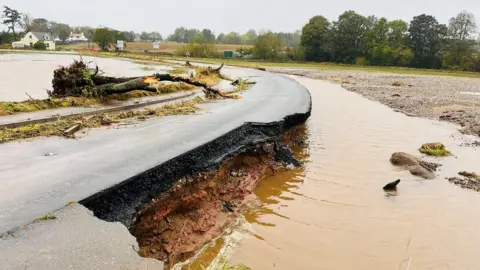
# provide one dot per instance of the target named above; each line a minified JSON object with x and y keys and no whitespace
{"x":33,"y":73}
{"x":333,"y":213}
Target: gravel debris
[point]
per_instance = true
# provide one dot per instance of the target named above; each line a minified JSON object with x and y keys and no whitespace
{"x":451,"y":99}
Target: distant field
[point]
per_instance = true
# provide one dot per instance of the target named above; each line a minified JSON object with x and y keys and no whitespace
{"x":333,"y":66}
{"x":142,"y":46}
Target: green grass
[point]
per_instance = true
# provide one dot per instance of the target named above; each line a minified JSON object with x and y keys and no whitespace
{"x":302,"y":65}
{"x":177,"y":71}
{"x":46,"y":217}
{"x":435,"y":152}
{"x":332,"y":66}
{"x":8,"y":108}
{"x":147,"y":68}
{"x":240,"y":87}
{"x":225,"y":265}
{"x":174,"y":87}
{"x":56,"y":128}
{"x":299,"y":65}
{"x":233,"y":267}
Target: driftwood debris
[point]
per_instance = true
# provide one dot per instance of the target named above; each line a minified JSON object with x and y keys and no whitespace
{"x":71,"y":130}
{"x":392,"y":185}
{"x":78,"y":79}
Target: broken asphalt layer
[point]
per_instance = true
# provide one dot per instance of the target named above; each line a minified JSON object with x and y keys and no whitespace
{"x":114,"y":171}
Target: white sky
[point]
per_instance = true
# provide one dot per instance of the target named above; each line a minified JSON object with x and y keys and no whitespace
{"x":225,"y":16}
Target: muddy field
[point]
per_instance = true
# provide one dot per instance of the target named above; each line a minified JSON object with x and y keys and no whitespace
{"x":444,"y":98}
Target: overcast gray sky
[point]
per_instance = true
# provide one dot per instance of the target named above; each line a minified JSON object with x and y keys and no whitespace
{"x":225,"y":16}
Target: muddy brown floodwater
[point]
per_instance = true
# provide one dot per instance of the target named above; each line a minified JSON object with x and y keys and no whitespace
{"x":35,"y":72}
{"x":333,"y":213}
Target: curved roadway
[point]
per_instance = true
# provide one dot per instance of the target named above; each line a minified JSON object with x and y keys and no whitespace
{"x":34,"y":183}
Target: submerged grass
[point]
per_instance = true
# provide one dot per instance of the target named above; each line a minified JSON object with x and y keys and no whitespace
{"x":165,"y":88}
{"x":434,"y":149}
{"x":225,"y":265}
{"x":148,"y":68}
{"x":242,"y":85}
{"x":256,"y":64}
{"x":435,"y":152}
{"x":178,"y":71}
{"x":206,"y":75}
{"x":58,"y":127}
{"x":232,"y":267}
{"x":8,"y":108}
{"x":46,"y":217}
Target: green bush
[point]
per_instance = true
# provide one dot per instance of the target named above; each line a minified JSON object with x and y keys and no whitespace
{"x":245,"y":50}
{"x":40,"y":46}
{"x":361,"y":61}
{"x":203,"y":50}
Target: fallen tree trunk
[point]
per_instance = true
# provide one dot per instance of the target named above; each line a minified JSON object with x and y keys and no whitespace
{"x":168,"y":77}
{"x":124,"y":87}
{"x":79,"y":80}
{"x":100,"y":80}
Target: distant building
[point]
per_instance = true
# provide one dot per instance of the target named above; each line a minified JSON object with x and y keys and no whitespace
{"x":17,"y":44}
{"x":33,"y":37}
{"x":75,"y":37}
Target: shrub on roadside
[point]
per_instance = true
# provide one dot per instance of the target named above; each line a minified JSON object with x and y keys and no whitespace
{"x":195,"y":49}
{"x":39,"y":45}
{"x":361,"y":61}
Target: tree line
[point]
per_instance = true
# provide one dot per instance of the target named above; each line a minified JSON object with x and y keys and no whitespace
{"x":18,"y":24}
{"x":351,"y":39}
{"x":421,"y":43}
{"x":184,"y":35}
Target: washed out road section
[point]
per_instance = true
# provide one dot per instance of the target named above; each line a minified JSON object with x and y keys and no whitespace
{"x":35,"y":183}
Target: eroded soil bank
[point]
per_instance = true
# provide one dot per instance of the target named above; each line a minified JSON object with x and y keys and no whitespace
{"x":176,"y":224}
{"x":175,"y":208}
{"x":444,"y":98}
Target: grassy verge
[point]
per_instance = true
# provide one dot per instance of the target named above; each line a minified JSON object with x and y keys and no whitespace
{"x":142,"y":46}
{"x":58,"y":127}
{"x":240,"y":87}
{"x":46,"y":217}
{"x":330,"y":66}
{"x":8,"y":108}
{"x":178,"y":71}
{"x":257,"y":64}
{"x":206,"y":75}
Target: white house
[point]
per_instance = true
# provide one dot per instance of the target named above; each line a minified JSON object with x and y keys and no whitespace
{"x":75,"y":37}
{"x":33,"y":37}
{"x":18,"y":44}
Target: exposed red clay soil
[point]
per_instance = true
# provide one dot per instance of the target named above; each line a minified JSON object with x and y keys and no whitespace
{"x":176,"y":225}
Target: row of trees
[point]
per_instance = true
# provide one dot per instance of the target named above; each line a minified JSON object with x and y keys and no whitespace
{"x":423,"y":43}
{"x":18,"y":23}
{"x":184,"y":35}
{"x":351,"y":39}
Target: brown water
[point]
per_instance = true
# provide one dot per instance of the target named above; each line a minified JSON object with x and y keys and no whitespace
{"x":33,"y":73}
{"x":333,"y":213}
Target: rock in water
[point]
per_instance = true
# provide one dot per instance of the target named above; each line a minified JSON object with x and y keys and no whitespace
{"x":416,"y":166}
{"x":422,"y":172}
{"x":392,"y":185}
{"x":404,"y":159}
{"x":470,"y":175}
